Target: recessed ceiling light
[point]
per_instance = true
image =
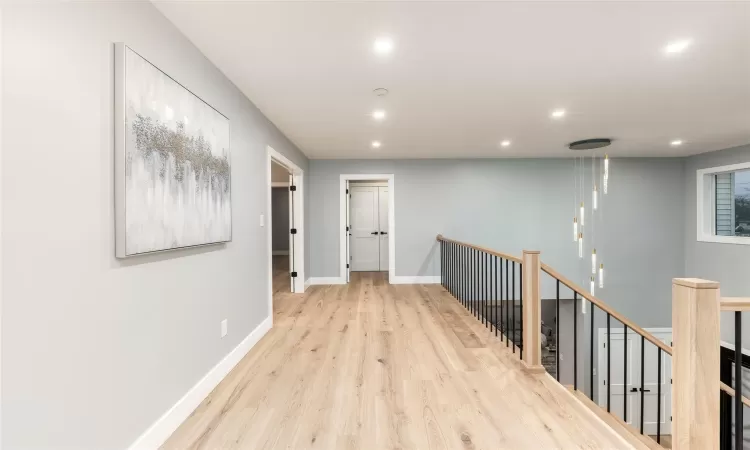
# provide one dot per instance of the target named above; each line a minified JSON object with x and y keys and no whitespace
{"x":558,"y":114}
{"x":383,"y":45}
{"x":378,"y":114}
{"x":505,"y":143}
{"x":677,"y":46}
{"x":676,"y":143}
{"x":375,"y":144}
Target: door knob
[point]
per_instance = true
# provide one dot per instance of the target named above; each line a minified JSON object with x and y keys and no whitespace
{"x":383,"y":232}
{"x":374,"y":232}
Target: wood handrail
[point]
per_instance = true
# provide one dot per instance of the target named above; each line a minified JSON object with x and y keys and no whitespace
{"x":554,"y":274}
{"x":606,"y":308}
{"x":735,"y":303}
{"x":481,"y":249}
{"x":729,"y":390}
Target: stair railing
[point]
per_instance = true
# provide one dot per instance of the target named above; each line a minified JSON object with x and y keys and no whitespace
{"x":487,"y":283}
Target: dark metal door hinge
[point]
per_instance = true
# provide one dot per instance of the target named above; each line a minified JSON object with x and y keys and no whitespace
{"x":293,"y":231}
{"x":347,"y":266}
{"x":294,"y":274}
{"x":292,"y":188}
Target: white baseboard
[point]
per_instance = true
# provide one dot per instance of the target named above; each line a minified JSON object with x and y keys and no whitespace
{"x":160,"y":431}
{"x":307,"y":283}
{"x":432,"y":279}
{"x":326,"y":280}
{"x":280,"y":253}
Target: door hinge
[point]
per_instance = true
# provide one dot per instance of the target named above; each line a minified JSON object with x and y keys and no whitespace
{"x":347,"y":228}
{"x":293,"y":231}
{"x":605,"y":345}
{"x":347,"y":191}
{"x":294,"y":274}
{"x":605,"y":382}
{"x":347,"y":266}
{"x":292,"y":188}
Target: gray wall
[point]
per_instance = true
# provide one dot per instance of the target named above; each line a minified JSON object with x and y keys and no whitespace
{"x":95,"y":349}
{"x":726,"y":263}
{"x":515,"y":204}
{"x":280,"y":218}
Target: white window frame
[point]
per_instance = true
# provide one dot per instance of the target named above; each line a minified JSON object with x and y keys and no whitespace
{"x":706,"y":205}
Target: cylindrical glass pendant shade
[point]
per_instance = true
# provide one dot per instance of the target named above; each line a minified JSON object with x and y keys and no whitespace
{"x":601,"y":276}
{"x":581,"y":213}
{"x":575,"y":229}
{"x":580,"y":245}
{"x":593,"y":262}
{"x":595,"y":198}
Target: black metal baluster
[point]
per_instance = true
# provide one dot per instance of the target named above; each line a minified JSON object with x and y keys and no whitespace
{"x":738,"y":419}
{"x":520,"y":307}
{"x":609,"y":379}
{"x":643,"y":371}
{"x":625,"y":374}
{"x":591,"y":343}
{"x":557,"y":332}
{"x":494,"y":293}
{"x":513,"y":296}
{"x":503,"y":330}
{"x":486,"y":289}
{"x":658,"y":398}
{"x":475,"y":283}
{"x":464,"y":287}
{"x":575,"y":340}
{"x":507,"y":310}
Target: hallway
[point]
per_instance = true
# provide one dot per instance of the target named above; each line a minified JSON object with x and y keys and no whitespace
{"x":378,"y":366}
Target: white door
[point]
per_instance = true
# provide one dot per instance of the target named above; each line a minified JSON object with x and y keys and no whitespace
{"x":631,"y":393}
{"x":348,"y":232}
{"x":383,"y":221}
{"x":365,"y":233}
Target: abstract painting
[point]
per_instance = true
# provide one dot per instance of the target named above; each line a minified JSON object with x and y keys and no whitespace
{"x":172,"y":162}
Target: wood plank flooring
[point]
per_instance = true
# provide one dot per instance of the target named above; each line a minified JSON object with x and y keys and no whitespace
{"x":376,"y":366}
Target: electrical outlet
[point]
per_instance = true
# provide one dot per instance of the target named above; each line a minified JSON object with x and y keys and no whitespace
{"x":262,"y":220}
{"x":224,"y":327}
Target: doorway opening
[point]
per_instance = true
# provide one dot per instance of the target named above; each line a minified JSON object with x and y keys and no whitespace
{"x":367,"y":224}
{"x":281,"y":239}
{"x":285,"y":228}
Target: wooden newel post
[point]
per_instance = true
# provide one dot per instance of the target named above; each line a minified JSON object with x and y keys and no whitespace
{"x":532,"y":311}
{"x":695,"y":364}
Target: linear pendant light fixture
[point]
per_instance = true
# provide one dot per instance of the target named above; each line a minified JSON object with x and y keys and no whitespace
{"x":599,"y":181}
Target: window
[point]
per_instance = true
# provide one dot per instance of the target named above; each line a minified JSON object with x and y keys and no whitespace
{"x":724,"y":204}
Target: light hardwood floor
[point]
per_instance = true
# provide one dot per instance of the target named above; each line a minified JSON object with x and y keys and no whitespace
{"x":376,"y":366}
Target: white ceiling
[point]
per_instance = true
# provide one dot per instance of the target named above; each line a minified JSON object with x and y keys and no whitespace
{"x":465,"y":75}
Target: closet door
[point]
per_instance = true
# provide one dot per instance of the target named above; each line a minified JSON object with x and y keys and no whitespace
{"x":383,"y":227}
{"x":365,"y":237}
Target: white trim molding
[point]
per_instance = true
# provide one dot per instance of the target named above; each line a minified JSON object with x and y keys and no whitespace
{"x":706,"y":207}
{"x":315,"y":281}
{"x":391,"y":219}
{"x":430,"y":279}
{"x":279,"y":184}
{"x":160,"y":431}
{"x":298,"y":213}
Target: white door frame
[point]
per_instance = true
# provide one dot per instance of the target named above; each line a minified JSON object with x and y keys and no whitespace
{"x":391,"y":221}
{"x":299,"y":216}
{"x":601,"y":370}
